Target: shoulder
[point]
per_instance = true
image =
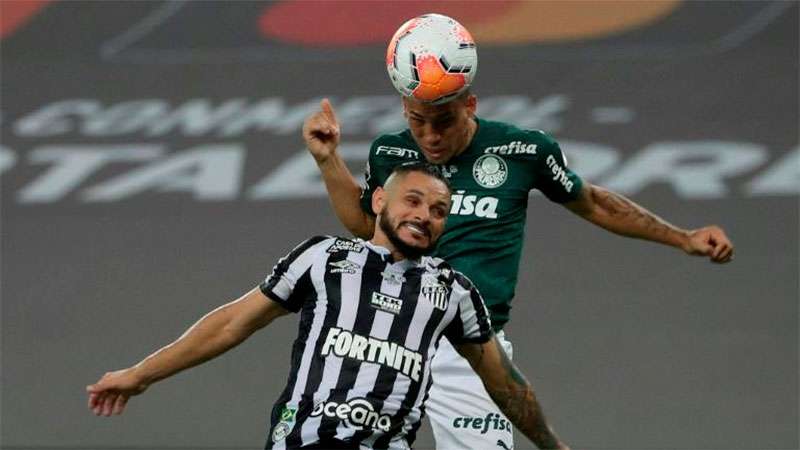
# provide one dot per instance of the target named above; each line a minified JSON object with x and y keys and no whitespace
{"x":312,"y":245}
{"x":501,"y":138}
{"x":445,"y":273}
{"x":335,"y":244}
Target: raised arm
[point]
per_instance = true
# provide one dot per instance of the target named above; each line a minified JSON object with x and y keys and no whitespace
{"x":321,"y":133}
{"x":215,"y":333}
{"x":511,"y":392}
{"x":622,"y":216}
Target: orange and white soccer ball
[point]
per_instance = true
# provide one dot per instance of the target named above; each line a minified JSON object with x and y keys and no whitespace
{"x":432,"y":58}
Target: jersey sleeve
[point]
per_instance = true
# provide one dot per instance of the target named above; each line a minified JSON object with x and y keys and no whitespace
{"x":471,"y":323}
{"x":376,"y":172}
{"x":553,"y":178}
{"x":290,"y":279}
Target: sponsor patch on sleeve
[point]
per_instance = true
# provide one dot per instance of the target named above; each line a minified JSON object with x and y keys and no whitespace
{"x":344,"y":245}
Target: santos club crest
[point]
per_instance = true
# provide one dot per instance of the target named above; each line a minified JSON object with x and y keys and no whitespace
{"x":437,"y":294}
{"x":490,"y":171}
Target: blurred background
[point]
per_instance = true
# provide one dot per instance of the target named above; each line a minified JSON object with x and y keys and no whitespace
{"x":153,"y":168}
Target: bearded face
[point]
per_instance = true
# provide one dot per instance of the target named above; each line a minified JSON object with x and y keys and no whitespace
{"x":419,"y":232}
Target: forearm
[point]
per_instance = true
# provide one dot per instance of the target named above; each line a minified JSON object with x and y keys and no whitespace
{"x":515,"y":397}
{"x":512,"y":393}
{"x":519,"y":404}
{"x":345,"y":193}
{"x":620,"y":215}
{"x":209,"y":337}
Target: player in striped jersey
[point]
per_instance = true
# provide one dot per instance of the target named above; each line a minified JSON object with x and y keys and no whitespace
{"x":371,"y":317}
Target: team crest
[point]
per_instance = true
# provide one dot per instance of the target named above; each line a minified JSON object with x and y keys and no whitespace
{"x":437,"y":294}
{"x":490,"y":171}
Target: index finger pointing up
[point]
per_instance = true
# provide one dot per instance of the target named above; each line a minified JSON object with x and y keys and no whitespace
{"x":327,"y":109}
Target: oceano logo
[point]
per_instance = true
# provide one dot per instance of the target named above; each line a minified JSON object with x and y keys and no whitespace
{"x":357,"y":412}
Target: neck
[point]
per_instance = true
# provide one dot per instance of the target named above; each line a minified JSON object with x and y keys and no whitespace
{"x":379,"y":238}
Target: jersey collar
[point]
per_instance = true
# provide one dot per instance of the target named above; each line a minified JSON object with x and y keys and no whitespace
{"x":386,"y":255}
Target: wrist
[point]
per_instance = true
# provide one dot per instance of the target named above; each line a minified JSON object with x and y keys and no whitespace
{"x":684,"y":240}
{"x":141,"y":375}
{"x":325,"y":158}
{"x":321,"y":159}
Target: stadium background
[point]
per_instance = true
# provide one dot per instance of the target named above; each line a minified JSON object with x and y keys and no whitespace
{"x":152,"y":168}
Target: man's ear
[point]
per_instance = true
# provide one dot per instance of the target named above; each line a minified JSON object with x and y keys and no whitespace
{"x":378,"y":200}
{"x":472,"y":104}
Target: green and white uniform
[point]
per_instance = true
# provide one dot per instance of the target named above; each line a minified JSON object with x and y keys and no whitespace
{"x":491,"y":182}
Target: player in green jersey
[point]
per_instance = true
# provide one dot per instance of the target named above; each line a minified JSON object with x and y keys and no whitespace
{"x":492,"y":167}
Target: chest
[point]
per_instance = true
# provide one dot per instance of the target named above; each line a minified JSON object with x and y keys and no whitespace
{"x":486,"y":186}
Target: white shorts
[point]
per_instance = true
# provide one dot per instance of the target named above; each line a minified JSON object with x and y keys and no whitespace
{"x":462,"y":414}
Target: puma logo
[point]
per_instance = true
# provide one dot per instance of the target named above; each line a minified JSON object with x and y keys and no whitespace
{"x":503,"y":444}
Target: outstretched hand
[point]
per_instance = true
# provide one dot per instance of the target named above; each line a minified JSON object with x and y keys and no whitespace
{"x":710,"y":241}
{"x":111,"y":393}
{"x":321,"y":131}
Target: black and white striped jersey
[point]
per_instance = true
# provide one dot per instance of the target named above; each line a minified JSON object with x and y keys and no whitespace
{"x":369,"y":327}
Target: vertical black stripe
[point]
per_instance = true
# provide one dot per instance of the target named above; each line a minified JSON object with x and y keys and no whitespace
{"x":306,"y":317}
{"x":299,"y":346}
{"x":477,"y":303}
{"x":305,"y":406}
{"x":484,"y":322}
{"x":412,"y":433}
{"x":371,"y":279}
{"x":410,"y":398}
{"x":283,"y":264}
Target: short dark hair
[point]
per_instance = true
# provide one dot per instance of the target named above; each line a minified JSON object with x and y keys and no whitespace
{"x":421,"y":167}
{"x":464,"y":95}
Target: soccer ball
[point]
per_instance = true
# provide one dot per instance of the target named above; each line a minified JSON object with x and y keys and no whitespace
{"x":432,"y":58}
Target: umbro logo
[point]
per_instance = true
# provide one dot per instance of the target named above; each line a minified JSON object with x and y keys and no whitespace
{"x":344,"y":266}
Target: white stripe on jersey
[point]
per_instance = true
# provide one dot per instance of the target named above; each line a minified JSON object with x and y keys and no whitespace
{"x":333,"y":366}
{"x":381,"y":325}
{"x":288,"y":280}
{"x":414,"y":414}
{"x":469,"y":317}
{"x":318,"y":279}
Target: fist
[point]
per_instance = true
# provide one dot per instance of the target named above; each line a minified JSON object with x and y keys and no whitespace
{"x":321,"y":132}
{"x":710,"y":241}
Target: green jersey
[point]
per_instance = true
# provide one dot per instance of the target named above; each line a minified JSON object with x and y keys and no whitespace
{"x":491,"y":181}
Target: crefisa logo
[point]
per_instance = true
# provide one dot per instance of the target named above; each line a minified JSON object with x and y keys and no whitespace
{"x":357,"y":413}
